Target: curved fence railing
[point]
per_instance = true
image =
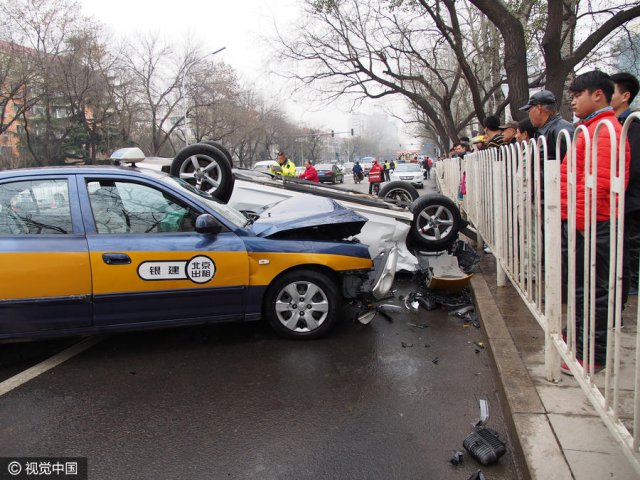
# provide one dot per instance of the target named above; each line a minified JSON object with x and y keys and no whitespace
{"x":513,"y":199}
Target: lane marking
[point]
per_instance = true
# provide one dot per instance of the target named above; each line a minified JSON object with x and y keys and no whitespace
{"x":46,"y":365}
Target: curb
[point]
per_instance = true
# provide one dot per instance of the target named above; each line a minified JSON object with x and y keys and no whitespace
{"x":526,"y":417}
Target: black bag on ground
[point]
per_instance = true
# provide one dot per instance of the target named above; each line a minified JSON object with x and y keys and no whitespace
{"x":485,"y":446}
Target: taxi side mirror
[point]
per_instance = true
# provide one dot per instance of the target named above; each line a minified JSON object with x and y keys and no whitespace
{"x":206,"y":223}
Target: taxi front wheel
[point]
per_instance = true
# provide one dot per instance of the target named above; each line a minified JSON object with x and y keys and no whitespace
{"x":302,"y":304}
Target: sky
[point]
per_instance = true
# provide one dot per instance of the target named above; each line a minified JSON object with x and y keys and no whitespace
{"x":238,"y":25}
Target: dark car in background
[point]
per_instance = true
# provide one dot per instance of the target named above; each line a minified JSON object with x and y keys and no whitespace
{"x":329,"y":173}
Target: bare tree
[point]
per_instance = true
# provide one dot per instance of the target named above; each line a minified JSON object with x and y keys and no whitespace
{"x":375,"y":50}
{"x":86,"y":71}
{"x":600,"y":18}
{"x":215,"y":98}
{"x":17,"y":72}
{"x":42,"y":28}
{"x":161,"y":74}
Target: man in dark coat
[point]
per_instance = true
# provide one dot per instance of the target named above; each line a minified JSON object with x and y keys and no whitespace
{"x":625,"y":90}
{"x":543,"y":113}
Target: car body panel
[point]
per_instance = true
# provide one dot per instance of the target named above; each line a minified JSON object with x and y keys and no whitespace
{"x":323,"y":218}
{"x":48,"y":272}
{"x":175,"y":273}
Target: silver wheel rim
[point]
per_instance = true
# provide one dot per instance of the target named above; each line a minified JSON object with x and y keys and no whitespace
{"x":435,"y":222}
{"x":301,"y":306}
{"x":203,"y":172}
{"x":399,"y":197}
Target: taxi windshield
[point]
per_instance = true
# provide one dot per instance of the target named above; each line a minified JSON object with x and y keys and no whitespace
{"x":234,"y":216}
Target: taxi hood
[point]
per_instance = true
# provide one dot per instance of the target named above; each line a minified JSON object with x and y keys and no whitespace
{"x":310,"y":217}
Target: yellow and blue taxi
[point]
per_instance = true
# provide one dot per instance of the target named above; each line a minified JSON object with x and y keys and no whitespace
{"x":93,"y":249}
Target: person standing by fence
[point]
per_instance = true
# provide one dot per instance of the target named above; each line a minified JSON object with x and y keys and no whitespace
{"x":591,"y":95}
{"x":626,"y":89}
{"x":543,"y":113}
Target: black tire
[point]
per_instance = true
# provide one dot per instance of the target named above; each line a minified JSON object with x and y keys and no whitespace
{"x":402,"y":194}
{"x":315,"y":318}
{"x":206,"y":168}
{"x":222,"y":148}
{"x":436,"y":223}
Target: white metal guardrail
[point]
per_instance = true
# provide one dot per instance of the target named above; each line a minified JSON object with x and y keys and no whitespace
{"x":504,"y":201}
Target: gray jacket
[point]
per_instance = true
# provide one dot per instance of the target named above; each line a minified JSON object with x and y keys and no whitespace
{"x":551,"y":130}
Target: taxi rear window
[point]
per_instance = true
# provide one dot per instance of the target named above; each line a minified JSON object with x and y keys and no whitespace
{"x":35,"y":207}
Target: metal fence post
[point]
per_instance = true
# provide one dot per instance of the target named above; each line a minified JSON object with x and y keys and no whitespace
{"x":499,"y":214}
{"x":552,"y":262}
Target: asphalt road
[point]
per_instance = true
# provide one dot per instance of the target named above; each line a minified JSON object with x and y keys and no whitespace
{"x":390,"y":400}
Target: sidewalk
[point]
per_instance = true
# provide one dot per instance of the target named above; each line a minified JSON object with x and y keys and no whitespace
{"x":560,"y":434}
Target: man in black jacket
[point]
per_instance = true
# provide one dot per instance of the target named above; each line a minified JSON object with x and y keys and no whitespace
{"x":626,"y":88}
{"x":542,"y":110}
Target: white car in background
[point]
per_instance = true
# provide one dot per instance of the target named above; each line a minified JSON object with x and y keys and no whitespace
{"x":408,"y":172}
{"x":263,"y":165}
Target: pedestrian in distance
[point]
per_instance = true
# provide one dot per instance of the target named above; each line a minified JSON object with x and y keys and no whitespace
{"x":509,"y":132}
{"x":492,"y":132}
{"x":310,"y":173}
{"x":284,"y":166}
{"x":625,"y":90}
{"x":479,"y":142}
{"x":386,"y":169}
{"x":525,"y":131}
{"x":427,"y":163}
{"x":358,"y":173}
{"x":375,"y":177}
{"x":591,"y":95}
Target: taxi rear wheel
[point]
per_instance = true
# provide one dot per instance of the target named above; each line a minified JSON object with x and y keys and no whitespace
{"x":302,"y":304}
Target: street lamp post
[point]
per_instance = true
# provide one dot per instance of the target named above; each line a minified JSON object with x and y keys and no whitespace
{"x":186,"y":100}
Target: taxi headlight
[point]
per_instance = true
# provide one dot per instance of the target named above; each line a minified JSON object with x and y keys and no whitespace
{"x":386,"y":273}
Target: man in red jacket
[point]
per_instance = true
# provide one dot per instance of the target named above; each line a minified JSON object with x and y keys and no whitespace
{"x":310,"y":172}
{"x":591,"y":93}
{"x":375,"y":176}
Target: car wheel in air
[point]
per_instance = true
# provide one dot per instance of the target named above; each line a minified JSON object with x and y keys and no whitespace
{"x":436,"y":222}
{"x":399,"y":193}
{"x":206,"y":168}
{"x":220,"y":147}
{"x":302,"y":304}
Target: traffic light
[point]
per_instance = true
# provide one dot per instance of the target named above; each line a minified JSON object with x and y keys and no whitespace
{"x":332,"y":135}
{"x":352,"y":132}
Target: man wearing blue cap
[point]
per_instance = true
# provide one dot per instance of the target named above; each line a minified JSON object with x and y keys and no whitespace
{"x":544,"y":115}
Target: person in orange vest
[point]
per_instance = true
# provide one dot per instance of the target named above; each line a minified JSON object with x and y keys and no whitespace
{"x":375,"y":176}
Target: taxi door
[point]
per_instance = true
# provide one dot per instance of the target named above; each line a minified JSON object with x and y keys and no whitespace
{"x":148,"y":263}
{"x":45,"y":283}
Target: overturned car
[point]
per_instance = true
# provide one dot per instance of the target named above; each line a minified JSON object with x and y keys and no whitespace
{"x":428,"y":223}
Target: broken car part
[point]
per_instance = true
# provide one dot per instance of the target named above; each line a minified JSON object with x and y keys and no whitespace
{"x":485,"y":446}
